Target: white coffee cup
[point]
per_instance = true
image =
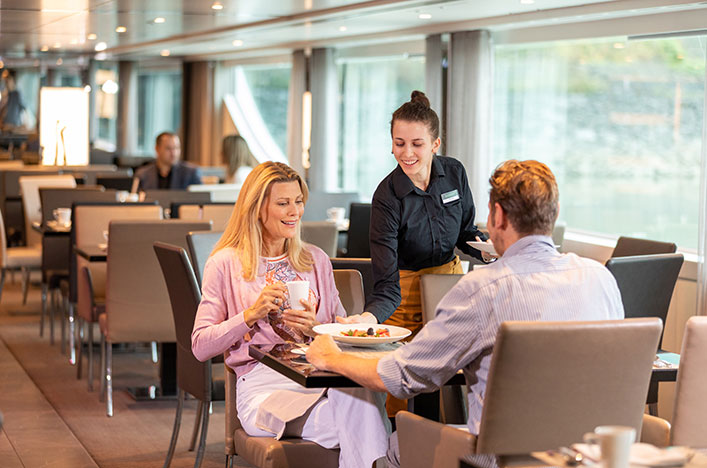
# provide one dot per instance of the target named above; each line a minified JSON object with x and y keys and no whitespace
{"x":615,"y":443}
{"x":62,"y":216}
{"x":297,"y":290}
{"x":122,"y":196}
{"x":336,"y":213}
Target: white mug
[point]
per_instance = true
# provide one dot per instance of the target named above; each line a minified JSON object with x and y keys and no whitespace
{"x":297,"y":290}
{"x":615,"y":443}
{"x":122,"y":196}
{"x":62,"y":216}
{"x":336,"y":213}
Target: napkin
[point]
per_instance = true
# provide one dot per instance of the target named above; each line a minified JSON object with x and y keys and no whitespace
{"x":643,"y":454}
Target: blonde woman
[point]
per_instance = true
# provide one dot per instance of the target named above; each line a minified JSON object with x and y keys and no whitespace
{"x":245,"y":302}
{"x":238,"y":157}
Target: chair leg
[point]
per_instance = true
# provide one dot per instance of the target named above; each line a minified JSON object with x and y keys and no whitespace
{"x":103,"y":368}
{"x":653,"y":409}
{"x":45,"y":288}
{"x":197,"y":422}
{"x":2,"y":281}
{"x":202,"y":441}
{"x":79,"y":347}
{"x":51,"y":317}
{"x":63,"y":317}
{"x":89,"y":371}
{"x":175,"y":430}
{"x":229,"y":461}
{"x":109,"y":379}
{"x":153,"y":347}
{"x":25,"y":284}
{"x":72,"y":331}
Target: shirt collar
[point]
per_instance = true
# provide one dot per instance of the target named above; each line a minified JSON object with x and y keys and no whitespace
{"x":402,"y":183}
{"x":533,"y":242}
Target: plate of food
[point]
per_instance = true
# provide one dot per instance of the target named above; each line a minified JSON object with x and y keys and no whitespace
{"x":483,"y":246}
{"x":362,"y":334}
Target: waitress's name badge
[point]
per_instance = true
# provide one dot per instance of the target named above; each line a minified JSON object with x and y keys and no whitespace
{"x":450,"y":196}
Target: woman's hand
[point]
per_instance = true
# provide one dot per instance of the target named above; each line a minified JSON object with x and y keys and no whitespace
{"x":365,"y":317}
{"x":301,"y":320}
{"x":270,"y":299}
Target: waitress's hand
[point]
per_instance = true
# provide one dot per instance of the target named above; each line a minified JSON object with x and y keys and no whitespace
{"x":270,"y":299}
{"x":487,"y":257}
{"x":301,"y":320}
{"x":365,"y":317}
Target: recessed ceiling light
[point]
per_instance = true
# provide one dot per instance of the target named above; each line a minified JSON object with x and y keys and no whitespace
{"x":121,"y":29}
{"x":527,"y":2}
{"x":159,"y":20}
{"x":217,"y":6}
{"x":44,"y":48}
{"x":59,"y":61}
{"x":164,"y":53}
{"x":101,"y":46}
{"x":56,"y":45}
{"x":424,"y":16}
{"x":342,"y":28}
{"x":101,"y":56}
{"x":619,"y":45}
{"x":237,"y":43}
{"x":91,"y":37}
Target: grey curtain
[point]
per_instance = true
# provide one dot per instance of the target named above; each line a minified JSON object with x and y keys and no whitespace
{"x":702,"y":230}
{"x":298,"y":85}
{"x":127,"y":108}
{"x":323,"y":172}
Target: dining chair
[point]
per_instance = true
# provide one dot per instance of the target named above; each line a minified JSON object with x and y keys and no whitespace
{"x":630,"y":246}
{"x":548,"y":384}
{"x":363,"y":265}
{"x":690,"y":412}
{"x":137,"y":302}
{"x":318,"y":202}
{"x":349,"y":283}
{"x":165,"y":197}
{"x":88,"y":222}
{"x":323,"y":234}
{"x":433,"y":287}
{"x":646,"y":283}
{"x":268,"y":452}
{"x":217,"y":213}
{"x":115,"y":181}
{"x":200,"y":245}
{"x":357,"y":242}
{"x":193,"y":377}
{"x":23,"y":258}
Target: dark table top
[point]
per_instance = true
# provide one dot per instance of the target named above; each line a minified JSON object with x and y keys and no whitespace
{"x":92,"y":253}
{"x":51,"y":229}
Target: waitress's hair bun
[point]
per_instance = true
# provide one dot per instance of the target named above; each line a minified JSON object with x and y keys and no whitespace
{"x":417,"y":109}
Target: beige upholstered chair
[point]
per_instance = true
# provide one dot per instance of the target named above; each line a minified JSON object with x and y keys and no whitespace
{"x":31,"y":203}
{"x":23,"y":258}
{"x":137,"y":303}
{"x":89,"y":222}
{"x":266,"y":452}
{"x":433,"y":287}
{"x":690,"y":411}
{"x":217,"y":213}
{"x":548,"y":384}
{"x":349,"y":283}
{"x":323,"y":234}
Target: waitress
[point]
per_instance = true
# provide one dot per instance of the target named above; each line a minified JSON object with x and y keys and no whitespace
{"x":420,"y":212}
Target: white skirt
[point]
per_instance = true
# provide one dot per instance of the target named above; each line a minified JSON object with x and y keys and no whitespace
{"x":352,"y":419}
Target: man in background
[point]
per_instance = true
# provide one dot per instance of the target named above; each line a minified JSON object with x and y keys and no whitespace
{"x":167,"y":171}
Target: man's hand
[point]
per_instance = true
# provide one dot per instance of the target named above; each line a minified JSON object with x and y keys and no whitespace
{"x":321,"y":351}
{"x":365,"y":317}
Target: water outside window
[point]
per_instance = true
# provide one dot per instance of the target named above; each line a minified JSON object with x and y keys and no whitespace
{"x":619,"y":123}
{"x":269,"y":87}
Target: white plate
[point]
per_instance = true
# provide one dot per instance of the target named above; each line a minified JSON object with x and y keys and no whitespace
{"x":300,"y":351}
{"x":335,"y":329}
{"x":483,"y":246}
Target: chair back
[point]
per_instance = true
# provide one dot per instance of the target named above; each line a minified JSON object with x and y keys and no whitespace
{"x":217,"y":213}
{"x":551,"y":382}
{"x":52,"y":198}
{"x":137,"y":302}
{"x":349,"y":283}
{"x":115,"y":181}
{"x":193,"y":376}
{"x":227,"y":193}
{"x":363,"y":265}
{"x":690,"y":411}
{"x":558,"y":234}
{"x":29,"y":186}
{"x":323,"y":234}
{"x":165,"y":197}
{"x":646,"y":283}
{"x":630,"y":246}
{"x":319,"y":202}
{"x":432,"y":289}
{"x":3,"y":243}
{"x":357,"y":244}
{"x":200,"y":245}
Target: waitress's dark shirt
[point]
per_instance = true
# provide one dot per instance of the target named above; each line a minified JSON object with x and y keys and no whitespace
{"x":413,"y":229}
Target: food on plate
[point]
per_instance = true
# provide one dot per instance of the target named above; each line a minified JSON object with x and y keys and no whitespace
{"x":370,"y":333}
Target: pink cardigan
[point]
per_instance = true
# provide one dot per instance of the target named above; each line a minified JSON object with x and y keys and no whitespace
{"x":219,"y":326}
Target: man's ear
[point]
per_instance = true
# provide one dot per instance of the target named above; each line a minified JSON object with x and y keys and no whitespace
{"x":500,"y":220}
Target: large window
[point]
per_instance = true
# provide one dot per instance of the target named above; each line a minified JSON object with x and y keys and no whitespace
{"x":371,"y":89}
{"x":619,"y":123}
{"x":159,"y":105}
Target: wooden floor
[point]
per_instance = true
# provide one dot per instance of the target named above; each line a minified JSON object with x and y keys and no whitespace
{"x":52,"y":420}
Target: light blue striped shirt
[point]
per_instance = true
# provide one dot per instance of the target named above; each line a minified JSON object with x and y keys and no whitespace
{"x":530,"y":282}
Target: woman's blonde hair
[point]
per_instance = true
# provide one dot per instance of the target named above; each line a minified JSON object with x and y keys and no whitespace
{"x":244,"y":231}
{"x":236,"y":153}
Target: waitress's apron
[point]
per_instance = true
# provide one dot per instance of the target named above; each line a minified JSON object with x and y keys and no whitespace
{"x":409,"y":312}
